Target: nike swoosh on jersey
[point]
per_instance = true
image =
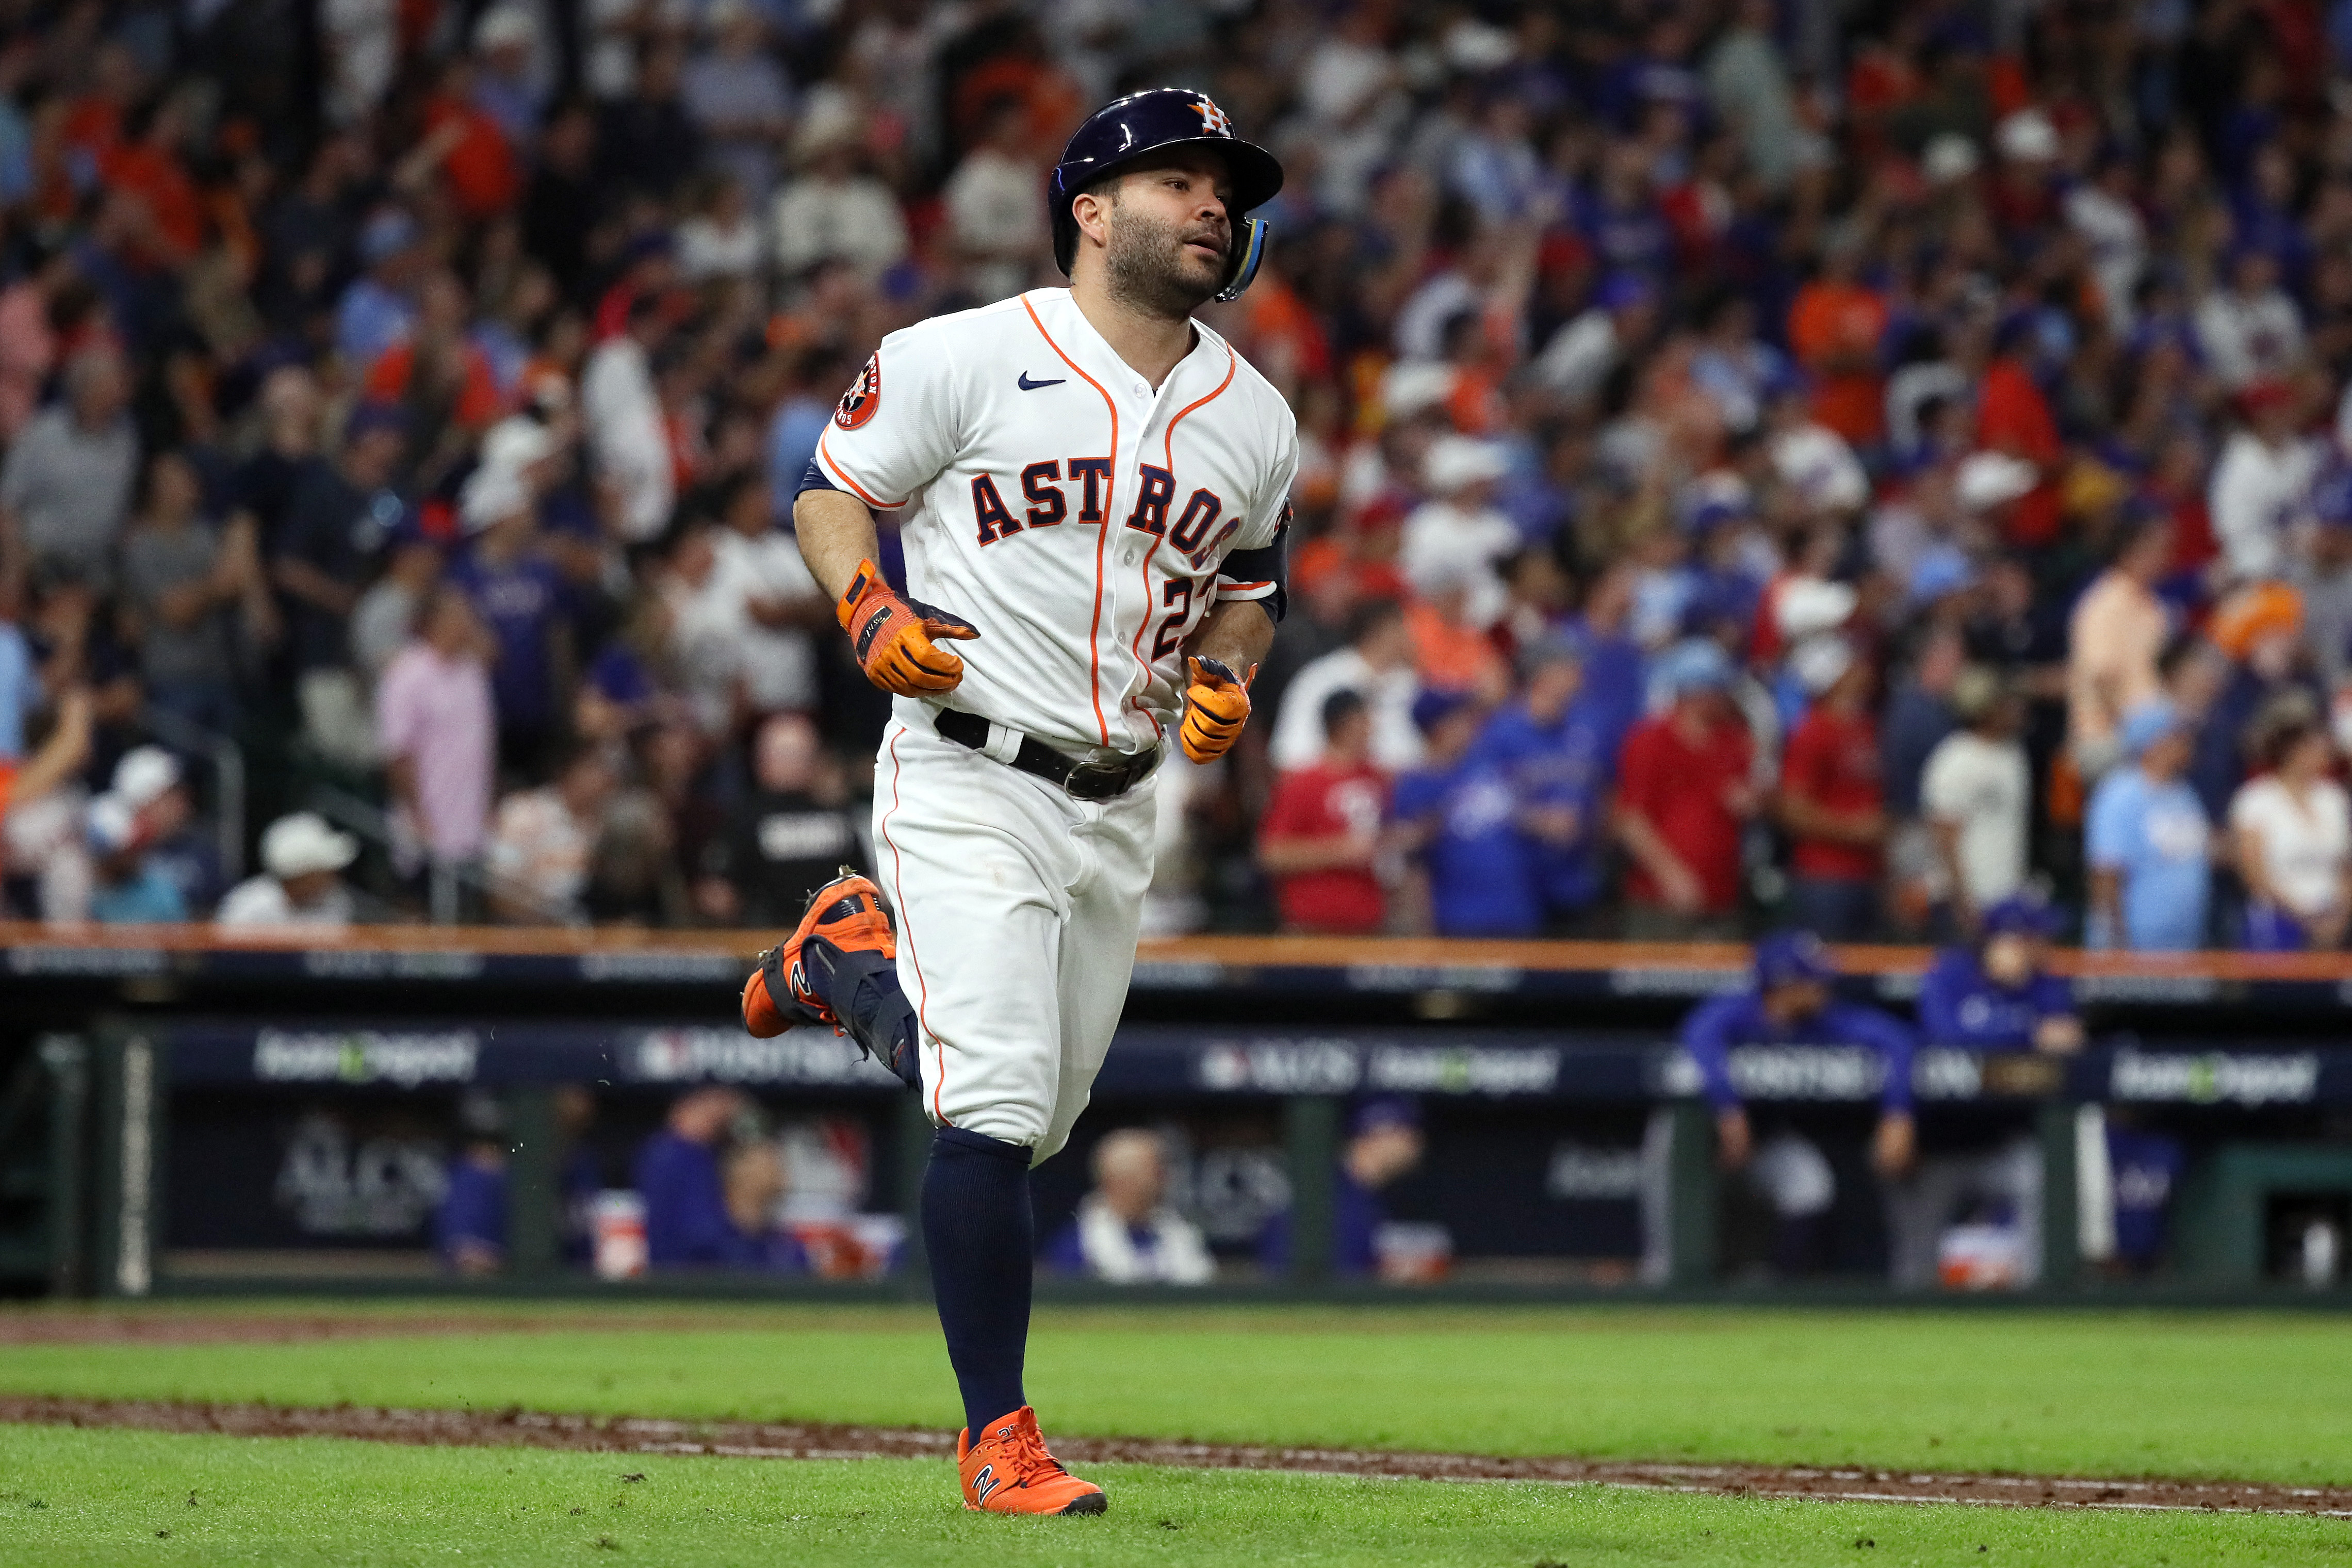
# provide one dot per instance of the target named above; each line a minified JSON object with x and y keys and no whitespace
{"x":1025,"y":385}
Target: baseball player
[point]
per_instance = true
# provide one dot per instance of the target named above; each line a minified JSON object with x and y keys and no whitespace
{"x":1094,"y":490}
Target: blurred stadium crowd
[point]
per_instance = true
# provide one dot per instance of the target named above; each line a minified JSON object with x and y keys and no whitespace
{"x":1764,"y":464}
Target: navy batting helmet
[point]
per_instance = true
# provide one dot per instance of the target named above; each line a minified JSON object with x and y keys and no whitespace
{"x":1126,"y":128}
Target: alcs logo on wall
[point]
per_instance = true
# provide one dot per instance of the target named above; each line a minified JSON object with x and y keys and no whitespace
{"x":388,"y":1186}
{"x":366,"y":1056}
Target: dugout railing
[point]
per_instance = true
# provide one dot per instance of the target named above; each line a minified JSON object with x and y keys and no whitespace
{"x":148,"y":1066}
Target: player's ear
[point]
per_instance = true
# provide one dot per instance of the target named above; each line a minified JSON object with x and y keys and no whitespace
{"x":1092,"y":211}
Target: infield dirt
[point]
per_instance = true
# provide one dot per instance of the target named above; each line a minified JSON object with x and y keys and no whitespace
{"x":814,"y":1440}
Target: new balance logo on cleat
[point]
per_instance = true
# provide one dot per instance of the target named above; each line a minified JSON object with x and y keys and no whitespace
{"x":1009,"y":1471}
{"x":847,"y":913}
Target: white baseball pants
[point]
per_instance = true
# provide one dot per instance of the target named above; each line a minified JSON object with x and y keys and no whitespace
{"x":1017,"y":911}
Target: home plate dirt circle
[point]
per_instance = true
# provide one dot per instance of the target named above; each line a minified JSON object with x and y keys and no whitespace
{"x":817,"y":1440}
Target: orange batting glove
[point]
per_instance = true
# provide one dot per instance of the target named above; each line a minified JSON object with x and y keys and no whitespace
{"x":893,"y":636}
{"x":1217,"y":706}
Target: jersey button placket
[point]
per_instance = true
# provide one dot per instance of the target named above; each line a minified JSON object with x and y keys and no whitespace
{"x":1112,"y":650}
{"x":1153,"y":405}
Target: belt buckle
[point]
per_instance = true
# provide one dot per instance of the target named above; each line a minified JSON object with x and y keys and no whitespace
{"x":1091,"y":782}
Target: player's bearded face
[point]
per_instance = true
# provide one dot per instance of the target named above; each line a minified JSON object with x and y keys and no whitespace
{"x":1155,"y":256}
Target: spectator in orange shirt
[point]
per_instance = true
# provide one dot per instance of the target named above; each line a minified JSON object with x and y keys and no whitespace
{"x":1835,"y":326}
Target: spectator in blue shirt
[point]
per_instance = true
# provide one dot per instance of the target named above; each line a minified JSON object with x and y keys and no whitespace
{"x":2147,"y":837}
{"x":379,"y":307}
{"x":1553,"y":747}
{"x":1999,"y":995}
{"x":1456,"y":814}
{"x":20,"y":684}
{"x":519,"y":595}
{"x":1384,"y":1143}
{"x":696,"y":1218}
{"x":798,"y":422}
{"x":1615,"y":675}
{"x":130,"y":887}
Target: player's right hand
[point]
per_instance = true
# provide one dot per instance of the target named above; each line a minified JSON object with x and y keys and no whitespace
{"x":894,"y":637}
{"x":1733,"y":1142}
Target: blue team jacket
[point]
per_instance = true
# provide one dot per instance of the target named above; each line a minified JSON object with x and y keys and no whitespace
{"x":687,"y":1223}
{"x":1958,"y":1006}
{"x":1723,"y":1022}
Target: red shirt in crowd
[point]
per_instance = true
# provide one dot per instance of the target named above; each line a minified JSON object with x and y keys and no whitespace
{"x":1683,"y":791}
{"x":1836,"y":327}
{"x":1832,"y":761}
{"x":1324,"y":802}
{"x":477,"y":403}
{"x":157,"y":177}
{"x":2013,"y":416}
{"x":480,"y":165}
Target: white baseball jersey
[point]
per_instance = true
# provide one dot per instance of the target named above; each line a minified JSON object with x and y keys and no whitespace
{"x":1083,"y":521}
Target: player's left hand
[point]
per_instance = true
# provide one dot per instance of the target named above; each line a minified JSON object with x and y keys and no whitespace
{"x":1217,"y":706}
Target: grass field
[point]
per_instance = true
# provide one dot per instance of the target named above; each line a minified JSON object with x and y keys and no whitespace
{"x":93,"y":1498}
{"x":2258,"y":1397}
{"x":2243,"y":1396}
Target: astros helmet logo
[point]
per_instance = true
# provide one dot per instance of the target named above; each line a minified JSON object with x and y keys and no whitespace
{"x":1213,"y":120}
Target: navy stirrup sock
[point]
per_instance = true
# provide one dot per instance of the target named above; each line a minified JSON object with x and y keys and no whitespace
{"x":980,"y":1235}
{"x":862,"y":989}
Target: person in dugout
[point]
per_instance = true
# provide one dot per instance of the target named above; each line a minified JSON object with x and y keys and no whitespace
{"x":1792,"y":1003}
{"x":1998,"y":994}
{"x":710,"y":1178}
{"x":1385,"y":1142}
{"x":469,"y":1225}
{"x":1982,"y":1166}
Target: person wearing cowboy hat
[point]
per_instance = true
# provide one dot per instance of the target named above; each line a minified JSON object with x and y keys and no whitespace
{"x":301,"y":882}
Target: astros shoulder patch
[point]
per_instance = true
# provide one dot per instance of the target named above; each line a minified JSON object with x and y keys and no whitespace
{"x":864,"y":396}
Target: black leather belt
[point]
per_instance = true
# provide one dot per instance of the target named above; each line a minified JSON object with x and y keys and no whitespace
{"x":1079,"y":781}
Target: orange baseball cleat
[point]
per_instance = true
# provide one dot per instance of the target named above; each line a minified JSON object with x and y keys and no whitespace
{"x":847,"y":913}
{"x":1009,"y":1471}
